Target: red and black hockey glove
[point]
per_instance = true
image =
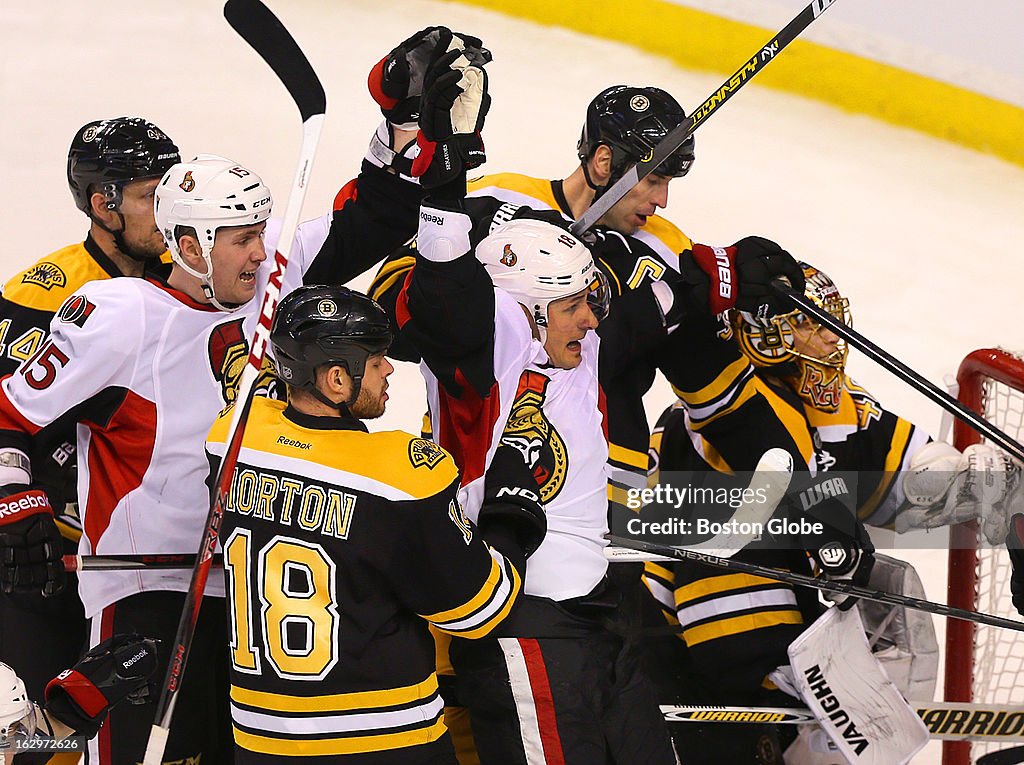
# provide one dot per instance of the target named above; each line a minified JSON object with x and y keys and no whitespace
{"x":512,"y":518}
{"x":30,"y":543}
{"x":115,"y":670}
{"x":396,"y":81}
{"x":740,"y":277}
{"x":453,"y":107}
{"x":1015,"y":546}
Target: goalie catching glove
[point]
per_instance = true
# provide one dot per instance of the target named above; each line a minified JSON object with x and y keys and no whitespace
{"x":512,"y":519}
{"x":115,"y":670}
{"x":740,"y":276}
{"x":944,"y":487}
{"x":30,"y":543}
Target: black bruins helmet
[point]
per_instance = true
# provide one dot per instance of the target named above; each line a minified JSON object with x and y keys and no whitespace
{"x":318,"y":325}
{"x":106,"y":154}
{"x":631,"y":122}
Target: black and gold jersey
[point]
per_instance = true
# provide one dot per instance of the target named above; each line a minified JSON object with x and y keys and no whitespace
{"x":340,"y":547}
{"x":737,"y":626}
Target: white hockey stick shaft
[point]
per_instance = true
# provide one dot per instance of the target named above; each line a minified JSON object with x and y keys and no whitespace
{"x":946,"y":720}
{"x":265,"y":33}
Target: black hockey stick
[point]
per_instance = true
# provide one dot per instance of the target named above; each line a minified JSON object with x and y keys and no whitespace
{"x":838,"y":587}
{"x":902,"y":371}
{"x":685,"y":129}
{"x":1012,"y":756}
{"x":259,"y":27}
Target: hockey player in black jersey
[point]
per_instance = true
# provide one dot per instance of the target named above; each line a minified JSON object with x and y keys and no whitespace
{"x":113,"y":166}
{"x":784,"y":384}
{"x":342,"y":545}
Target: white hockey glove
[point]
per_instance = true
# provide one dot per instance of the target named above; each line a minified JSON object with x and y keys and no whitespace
{"x":945,"y":487}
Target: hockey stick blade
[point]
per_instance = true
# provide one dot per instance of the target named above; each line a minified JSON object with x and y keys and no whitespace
{"x":834,"y":586}
{"x":268,"y":37}
{"x":675,"y":138}
{"x":902,"y":371}
{"x":945,"y":720}
{"x":258,"y":26}
{"x":1012,"y":756}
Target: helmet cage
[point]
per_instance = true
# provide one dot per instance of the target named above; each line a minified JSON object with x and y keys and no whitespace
{"x":17,"y":712}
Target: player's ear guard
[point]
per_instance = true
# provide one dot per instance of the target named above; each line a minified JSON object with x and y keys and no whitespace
{"x":511,"y":510}
{"x":117,"y":669}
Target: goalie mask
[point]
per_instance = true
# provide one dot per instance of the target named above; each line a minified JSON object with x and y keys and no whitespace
{"x":17,"y":712}
{"x":206,"y":194}
{"x":317,"y":326}
{"x":631,"y":122}
{"x":538,"y":263}
{"x":808,"y":355}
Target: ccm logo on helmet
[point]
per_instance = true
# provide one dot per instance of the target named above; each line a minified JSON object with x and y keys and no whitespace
{"x":724,"y":273}
{"x":261,"y":202}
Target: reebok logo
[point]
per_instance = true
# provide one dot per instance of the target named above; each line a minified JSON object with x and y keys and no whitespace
{"x":724,"y":273}
{"x":27,"y":502}
{"x":285,"y":441}
{"x":426,"y":217}
{"x":141,"y":654}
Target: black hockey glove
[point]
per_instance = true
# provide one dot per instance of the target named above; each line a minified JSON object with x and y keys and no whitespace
{"x":30,"y":543}
{"x":115,"y":670}
{"x":838,"y":556}
{"x":1015,"y":546}
{"x":452,"y":111}
{"x":512,"y":519}
{"x":739,"y":277}
{"x":396,"y":81}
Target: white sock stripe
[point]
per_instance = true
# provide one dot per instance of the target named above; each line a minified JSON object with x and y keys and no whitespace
{"x":522,"y":695}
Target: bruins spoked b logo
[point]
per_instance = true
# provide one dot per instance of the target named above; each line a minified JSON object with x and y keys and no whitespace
{"x":530,"y":431}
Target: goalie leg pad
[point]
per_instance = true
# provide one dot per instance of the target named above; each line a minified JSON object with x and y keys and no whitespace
{"x":855,"y":702}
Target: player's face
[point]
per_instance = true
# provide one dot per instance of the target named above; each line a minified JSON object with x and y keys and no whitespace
{"x":141,"y":236}
{"x":631,"y":212}
{"x":237,"y":254}
{"x":373,"y":394}
{"x":569,"y":320}
{"x":815,"y":341}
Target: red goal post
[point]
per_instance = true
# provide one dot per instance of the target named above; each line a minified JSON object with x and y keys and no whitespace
{"x":981,"y":664}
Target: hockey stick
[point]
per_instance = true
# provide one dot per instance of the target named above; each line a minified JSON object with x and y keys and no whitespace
{"x":675,"y":138}
{"x":834,"y":586}
{"x":259,"y":27}
{"x":902,"y":371}
{"x":1013,"y":756}
{"x":946,"y":720}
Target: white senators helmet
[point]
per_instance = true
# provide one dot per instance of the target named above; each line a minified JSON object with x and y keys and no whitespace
{"x":537,"y":263}
{"x":17,"y":713}
{"x":205,"y":194}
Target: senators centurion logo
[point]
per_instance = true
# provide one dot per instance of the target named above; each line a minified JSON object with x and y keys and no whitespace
{"x":530,"y":431}
{"x":187,"y":183}
{"x":45,"y":275}
{"x":508,"y":257}
{"x":228,"y":352}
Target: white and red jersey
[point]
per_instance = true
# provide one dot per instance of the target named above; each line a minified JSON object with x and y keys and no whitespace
{"x":144,"y":370}
{"x":489,"y":382}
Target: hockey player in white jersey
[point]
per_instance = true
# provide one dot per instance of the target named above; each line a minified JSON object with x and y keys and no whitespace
{"x":144,"y":366}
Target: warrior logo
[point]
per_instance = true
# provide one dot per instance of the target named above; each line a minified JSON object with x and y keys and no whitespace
{"x":45,"y":275}
{"x":423,"y":453}
{"x":508,"y":258}
{"x":821,"y":391}
{"x":187,"y":183}
{"x":529,"y":431}
{"x":229,"y":351}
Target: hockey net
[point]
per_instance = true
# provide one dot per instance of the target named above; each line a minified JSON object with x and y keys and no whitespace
{"x":983,"y":664}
